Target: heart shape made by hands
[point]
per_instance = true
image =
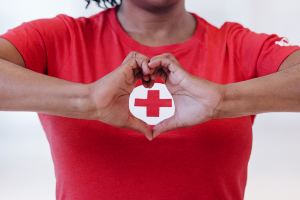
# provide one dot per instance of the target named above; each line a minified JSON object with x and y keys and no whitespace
{"x":182,"y":101}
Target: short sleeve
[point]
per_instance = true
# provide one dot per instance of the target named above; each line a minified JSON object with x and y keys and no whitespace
{"x":43,"y":43}
{"x":258,"y":54}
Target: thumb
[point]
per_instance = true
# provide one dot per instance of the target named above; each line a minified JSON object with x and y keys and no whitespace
{"x":139,"y":126}
{"x":165,"y":126}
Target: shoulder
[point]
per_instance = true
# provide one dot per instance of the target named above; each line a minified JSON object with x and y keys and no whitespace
{"x":63,"y":23}
{"x":228,"y":29}
{"x":231,"y":29}
{"x":84,"y":23}
{"x":67,"y":28}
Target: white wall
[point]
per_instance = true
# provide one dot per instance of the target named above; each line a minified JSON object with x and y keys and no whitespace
{"x":26,"y":169}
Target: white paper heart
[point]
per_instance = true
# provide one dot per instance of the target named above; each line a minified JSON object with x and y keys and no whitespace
{"x":152,"y":105}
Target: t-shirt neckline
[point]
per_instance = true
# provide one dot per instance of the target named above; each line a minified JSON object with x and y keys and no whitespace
{"x":196,"y":37}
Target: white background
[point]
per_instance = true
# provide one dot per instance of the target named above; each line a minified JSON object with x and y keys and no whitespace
{"x":26,"y":169}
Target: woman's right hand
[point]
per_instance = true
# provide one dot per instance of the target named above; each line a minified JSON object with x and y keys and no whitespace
{"x":110,"y":94}
{"x":106,"y":100}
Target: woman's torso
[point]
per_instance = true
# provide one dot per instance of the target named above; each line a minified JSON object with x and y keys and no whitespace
{"x":94,"y":160}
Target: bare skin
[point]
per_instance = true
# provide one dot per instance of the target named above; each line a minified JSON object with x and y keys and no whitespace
{"x":150,"y":22}
{"x":156,"y":22}
{"x":198,"y":100}
{"x":106,"y":100}
{"x":9,"y":53}
{"x":195,"y":99}
{"x":110,"y":95}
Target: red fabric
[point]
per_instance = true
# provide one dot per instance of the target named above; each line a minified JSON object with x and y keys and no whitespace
{"x":94,"y":160}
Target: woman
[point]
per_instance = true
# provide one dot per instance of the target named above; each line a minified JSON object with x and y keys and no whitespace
{"x":93,"y":65}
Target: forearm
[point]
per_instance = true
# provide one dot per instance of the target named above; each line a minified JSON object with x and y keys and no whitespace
{"x":278,"y":92}
{"x":25,"y":90}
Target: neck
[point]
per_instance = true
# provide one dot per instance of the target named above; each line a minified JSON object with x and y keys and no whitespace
{"x":156,"y":26}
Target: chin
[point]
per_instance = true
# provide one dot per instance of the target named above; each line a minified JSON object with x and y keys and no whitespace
{"x":156,"y":5}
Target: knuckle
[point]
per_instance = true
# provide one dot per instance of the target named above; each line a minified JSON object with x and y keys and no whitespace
{"x":153,"y":58}
{"x":133,"y":54}
{"x":168,"y":56}
{"x":147,"y":60}
{"x":126,"y":62}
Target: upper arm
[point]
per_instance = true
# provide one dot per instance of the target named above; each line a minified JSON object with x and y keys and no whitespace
{"x":259,"y":54}
{"x":290,"y":61}
{"x":41,"y":45}
{"x":9,"y":53}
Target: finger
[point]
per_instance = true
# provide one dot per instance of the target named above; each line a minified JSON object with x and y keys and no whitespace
{"x":165,"y":55}
{"x":137,"y":77}
{"x":165,"y":69}
{"x":151,"y":83}
{"x":167,"y":61}
{"x":139,"y":63}
{"x":165,"y":126}
{"x":164,"y":76}
{"x":156,"y":74}
{"x":134,"y":54}
{"x":145,"y":83}
{"x":142,"y":62}
{"x":140,"y":126}
{"x":127,"y":71}
{"x":167,"y":64}
{"x":135,"y":61}
{"x":159,"y":73}
{"x":132,"y":66}
{"x":146,"y":77}
{"x":148,"y":84}
{"x":136,"y":71}
{"x":145,"y":68}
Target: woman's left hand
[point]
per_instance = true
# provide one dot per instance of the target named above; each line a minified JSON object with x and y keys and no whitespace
{"x":195,"y":99}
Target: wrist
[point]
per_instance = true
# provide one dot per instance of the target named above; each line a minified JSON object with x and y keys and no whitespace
{"x":81,"y":102}
{"x":235,"y":102}
{"x":220,"y":110}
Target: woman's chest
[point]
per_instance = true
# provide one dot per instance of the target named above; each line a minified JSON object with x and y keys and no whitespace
{"x":208,"y":61}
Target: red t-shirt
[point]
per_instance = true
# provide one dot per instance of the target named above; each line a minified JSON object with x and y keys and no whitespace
{"x":94,"y":160}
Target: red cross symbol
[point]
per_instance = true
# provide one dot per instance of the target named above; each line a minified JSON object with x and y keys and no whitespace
{"x":153,"y":103}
